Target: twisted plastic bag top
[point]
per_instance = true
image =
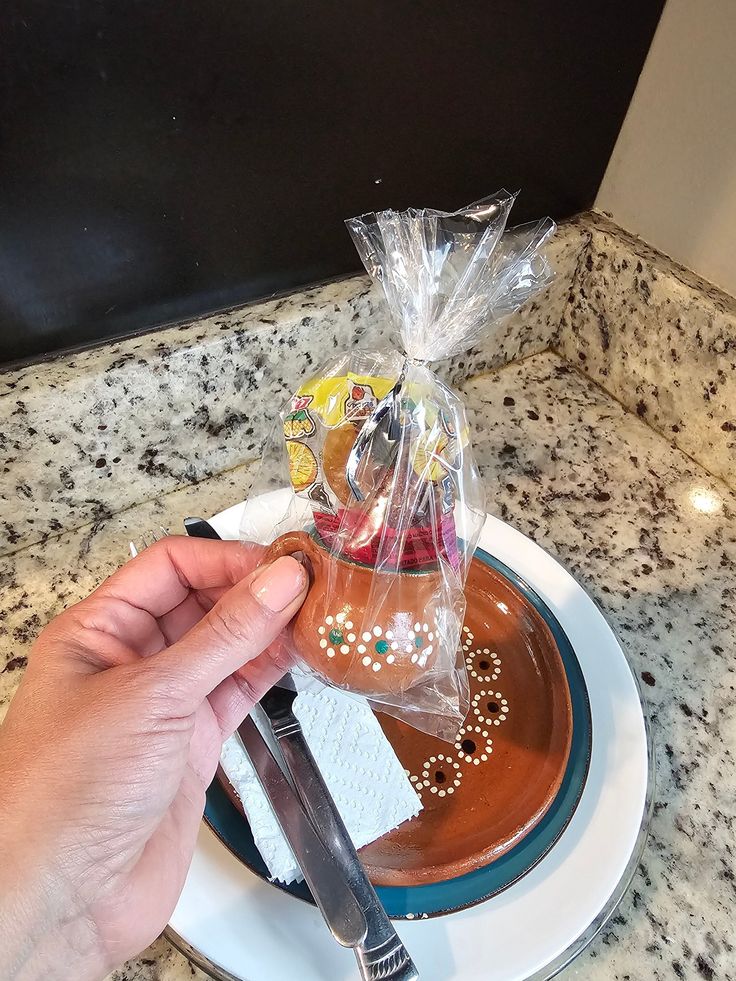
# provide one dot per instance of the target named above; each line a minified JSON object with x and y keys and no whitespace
{"x":447,"y":276}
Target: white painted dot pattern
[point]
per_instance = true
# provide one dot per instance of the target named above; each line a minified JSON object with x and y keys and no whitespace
{"x":483,"y":664}
{"x":490,"y":707}
{"x":379,"y":646}
{"x":441,"y":775}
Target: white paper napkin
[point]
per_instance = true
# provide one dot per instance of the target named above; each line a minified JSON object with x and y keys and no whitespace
{"x":367,"y":782}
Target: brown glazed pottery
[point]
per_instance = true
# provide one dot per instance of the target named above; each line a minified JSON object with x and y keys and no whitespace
{"x":388,"y":648}
{"x":483,"y":794}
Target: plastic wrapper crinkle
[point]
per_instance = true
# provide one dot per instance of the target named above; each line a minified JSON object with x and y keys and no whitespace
{"x":384,"y":498}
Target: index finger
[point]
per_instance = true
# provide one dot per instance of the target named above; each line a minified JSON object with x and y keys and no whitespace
{"x":162,"y":576}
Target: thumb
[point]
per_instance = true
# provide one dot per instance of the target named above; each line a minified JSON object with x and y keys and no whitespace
{"x":248,"y":618}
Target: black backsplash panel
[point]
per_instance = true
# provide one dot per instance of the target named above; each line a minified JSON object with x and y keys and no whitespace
{"x":161,"y":159}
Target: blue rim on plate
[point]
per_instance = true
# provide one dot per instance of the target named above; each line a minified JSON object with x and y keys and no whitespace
{"x":438,"y":898}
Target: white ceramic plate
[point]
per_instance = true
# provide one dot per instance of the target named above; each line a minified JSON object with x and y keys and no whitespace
{"x":235,"y":925}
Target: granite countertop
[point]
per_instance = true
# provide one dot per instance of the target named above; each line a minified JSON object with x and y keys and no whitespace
{"x":645,"y":530}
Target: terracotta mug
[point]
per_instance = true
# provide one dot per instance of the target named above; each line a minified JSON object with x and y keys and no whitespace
{"x":360,"y":633}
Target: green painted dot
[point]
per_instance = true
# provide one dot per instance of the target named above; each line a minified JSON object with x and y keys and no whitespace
{"x":335,"y":636}
{"x":381,"y":646}
{"x":418,"y":641}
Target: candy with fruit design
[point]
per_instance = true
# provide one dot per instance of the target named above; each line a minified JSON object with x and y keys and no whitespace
{"x":299,"y":423}
{"x":303,"y":469}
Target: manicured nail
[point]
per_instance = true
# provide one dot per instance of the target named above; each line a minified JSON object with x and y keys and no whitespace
{"x":279,"y":584}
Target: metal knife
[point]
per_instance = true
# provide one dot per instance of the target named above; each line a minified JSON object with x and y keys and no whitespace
{"x":332,"y":894}
{"x":382,"y":954}
{"x":199,"y":528}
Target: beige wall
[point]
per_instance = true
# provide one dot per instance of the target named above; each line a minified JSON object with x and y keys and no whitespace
{"x":672,"y":176}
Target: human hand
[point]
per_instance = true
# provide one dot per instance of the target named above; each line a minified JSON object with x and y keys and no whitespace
{"x":112,"y":739}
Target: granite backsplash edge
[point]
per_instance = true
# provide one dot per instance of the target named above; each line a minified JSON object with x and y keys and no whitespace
{"x":90,"y":434}
{"x":658,"y":338}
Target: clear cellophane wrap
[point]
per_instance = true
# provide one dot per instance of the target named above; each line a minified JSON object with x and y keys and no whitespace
{"x":376,"y":452}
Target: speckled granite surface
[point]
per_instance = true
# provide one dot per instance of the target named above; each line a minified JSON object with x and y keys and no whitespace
{"x":84,"y":436}
{"x":660,"y":339}
{"x":647,"y":532}
{"x":39,"y":581}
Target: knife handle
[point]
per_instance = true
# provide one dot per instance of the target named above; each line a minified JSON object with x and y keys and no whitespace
{"x":199,"y":528}
{"x":381,"y":956}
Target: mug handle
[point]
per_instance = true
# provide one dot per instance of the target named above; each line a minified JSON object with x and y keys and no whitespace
{"x":294,"y":541}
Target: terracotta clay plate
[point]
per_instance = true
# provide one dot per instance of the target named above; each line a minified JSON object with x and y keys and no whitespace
{"x":483,"y":794}
{"x":504,"y":812}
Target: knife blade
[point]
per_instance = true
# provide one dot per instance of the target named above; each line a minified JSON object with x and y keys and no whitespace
{"x":330,"y":891}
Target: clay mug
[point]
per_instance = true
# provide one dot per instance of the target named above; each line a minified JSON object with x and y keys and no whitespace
{"x":370,"y":644}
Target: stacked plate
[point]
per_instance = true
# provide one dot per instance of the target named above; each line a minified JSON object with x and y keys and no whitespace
{"x":533,"y":820}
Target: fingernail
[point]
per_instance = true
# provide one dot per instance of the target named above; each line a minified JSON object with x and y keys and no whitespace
{"x":278,"y":585}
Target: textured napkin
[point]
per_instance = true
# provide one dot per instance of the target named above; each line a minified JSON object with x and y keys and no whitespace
{"x":367,"y":782}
